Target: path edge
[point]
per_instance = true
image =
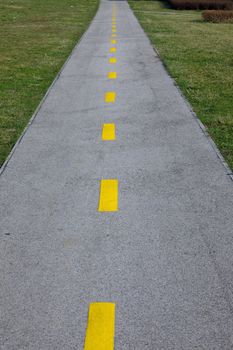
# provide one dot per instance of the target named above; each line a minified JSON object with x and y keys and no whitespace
{"x":228,"y":170}
{"x":31,"y":120}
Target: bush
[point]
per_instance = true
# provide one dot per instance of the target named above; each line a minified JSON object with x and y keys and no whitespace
{"x":218,"y":16}
{"x":201,"y":4}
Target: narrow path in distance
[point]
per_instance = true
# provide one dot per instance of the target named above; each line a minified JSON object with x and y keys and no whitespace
{"x":116,"y":213}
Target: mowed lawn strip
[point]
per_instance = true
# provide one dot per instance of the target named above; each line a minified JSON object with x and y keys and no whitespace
{"x":198,"y":55}
{"x":37,"y":37}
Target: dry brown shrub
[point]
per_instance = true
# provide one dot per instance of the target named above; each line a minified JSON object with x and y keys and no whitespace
{"x":217,"y":16}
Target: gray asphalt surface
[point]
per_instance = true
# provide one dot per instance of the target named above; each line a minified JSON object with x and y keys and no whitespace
{"x":165,"y":258}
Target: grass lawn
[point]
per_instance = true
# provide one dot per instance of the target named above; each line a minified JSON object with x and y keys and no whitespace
{"x":37,"y":37}
{"x":199,"y":56}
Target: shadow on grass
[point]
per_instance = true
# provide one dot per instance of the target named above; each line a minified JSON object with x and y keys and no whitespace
{"x":198,"y":21}
{"x":164,"y":4}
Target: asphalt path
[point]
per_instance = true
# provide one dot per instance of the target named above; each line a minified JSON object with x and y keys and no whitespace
{"x":162,"y":254}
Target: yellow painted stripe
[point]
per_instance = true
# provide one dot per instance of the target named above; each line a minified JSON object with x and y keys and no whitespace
{"x":112,"y":75}
{"x":100,"y":327}
{"x":113,"y":18}
{"x":113,"y":35}
{"x":113,"y":30}
{"x":108,"y":132}
{"x":112,"y":49}
{"x":108,"y":195}
{"x":113,"y":26}
{"x":110,"y":97}
{"x":113,"y":41}
{"x":112,"y":60}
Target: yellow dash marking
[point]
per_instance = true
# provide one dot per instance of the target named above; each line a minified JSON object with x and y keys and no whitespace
{"x":113,"y":26}
{"x":113,"y":35}
{"x":112,"y":49}
{"x":110,"y":97}
{"x":100,"y":327}
{"x":108,"y":195}
{"x":108,"y":132}
{"x":112,"y":60}
{"x":113,"y":30}
{"x":112,"y":75}
{"x":113,"y":41}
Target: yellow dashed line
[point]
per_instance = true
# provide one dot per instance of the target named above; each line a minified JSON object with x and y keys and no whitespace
{"x":100,"y":327}
{"x":112,"y":60}
{"x":113,"y":41}
{"x":113,"y":49}
{"x":112,"y":75}
{"x":110,"y":97}
{"x":114,"y":35}
{"x":108,"y":195}
{"x":108,"y":132}
{"x":113,"y":30}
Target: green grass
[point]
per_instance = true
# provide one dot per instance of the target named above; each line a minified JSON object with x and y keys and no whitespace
{"x":37,"y":37}
{"x":198,"y":55}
